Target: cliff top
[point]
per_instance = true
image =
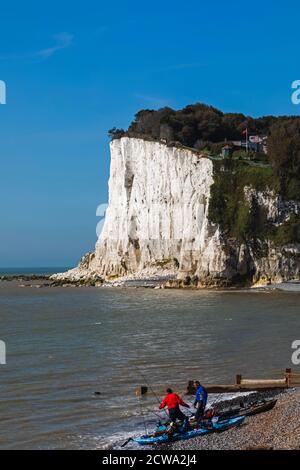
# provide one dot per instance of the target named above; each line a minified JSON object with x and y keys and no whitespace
{"x":271,"y":140}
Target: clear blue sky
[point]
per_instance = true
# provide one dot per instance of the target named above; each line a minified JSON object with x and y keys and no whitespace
{"x":74,"y":70}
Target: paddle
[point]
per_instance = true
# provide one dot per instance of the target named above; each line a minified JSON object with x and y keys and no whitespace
{"x":126,"y":442}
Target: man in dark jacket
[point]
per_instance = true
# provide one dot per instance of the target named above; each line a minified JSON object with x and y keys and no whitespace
{"x":200,"y":400}
{"x":172,"y":402}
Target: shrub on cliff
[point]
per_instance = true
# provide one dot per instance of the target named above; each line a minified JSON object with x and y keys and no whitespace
{"x":287,"y":233}
{"x":228,"y":206}
{"x":292,"y":188}
{"x":284,"y":148}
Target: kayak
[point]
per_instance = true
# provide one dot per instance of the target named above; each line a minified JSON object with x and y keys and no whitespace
{"x":218,"y":426}
{"x":252,"y":410}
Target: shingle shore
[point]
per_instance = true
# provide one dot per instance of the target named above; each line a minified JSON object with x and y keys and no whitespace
{"x":275,"y":429}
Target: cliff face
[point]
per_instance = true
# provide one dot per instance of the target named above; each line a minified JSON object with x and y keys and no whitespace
{"x":157,"y":222}
{"x":157,"y":215}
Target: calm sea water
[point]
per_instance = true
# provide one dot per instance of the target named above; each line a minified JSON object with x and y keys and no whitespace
{"x":65,"y":344}
{"x":29,"y":271}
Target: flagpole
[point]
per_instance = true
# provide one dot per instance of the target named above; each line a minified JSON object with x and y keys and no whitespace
{"x":247,"y":140}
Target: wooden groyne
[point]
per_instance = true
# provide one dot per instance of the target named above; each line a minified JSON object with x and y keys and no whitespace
{"x":289,"y":379}
{"x":292,"y":378}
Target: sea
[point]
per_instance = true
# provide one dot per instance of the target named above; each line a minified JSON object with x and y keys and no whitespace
{"x":75,"y":356}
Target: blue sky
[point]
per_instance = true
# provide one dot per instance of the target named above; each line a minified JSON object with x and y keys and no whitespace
{"x":73,"y":71}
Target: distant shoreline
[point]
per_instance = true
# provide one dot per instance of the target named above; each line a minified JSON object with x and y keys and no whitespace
{"x":30,"y":272}
{"x":47,"y":281}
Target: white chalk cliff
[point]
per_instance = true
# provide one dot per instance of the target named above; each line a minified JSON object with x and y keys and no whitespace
{"x":157,"y":222}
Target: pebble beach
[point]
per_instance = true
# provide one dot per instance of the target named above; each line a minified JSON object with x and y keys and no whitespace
{"x":273,"y":430}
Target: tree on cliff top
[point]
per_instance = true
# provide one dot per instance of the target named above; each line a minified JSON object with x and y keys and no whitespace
{"x":195,"y":124}
{"x":201,"y":126}
{"x":115,"y":133}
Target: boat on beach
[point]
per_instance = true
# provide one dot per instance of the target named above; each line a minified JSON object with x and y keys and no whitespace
{"x":251,"y":410}
{"x":166,"y":437}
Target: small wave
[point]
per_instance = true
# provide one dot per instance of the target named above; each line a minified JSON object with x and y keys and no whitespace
{"x":290,"y":286}
{"x":226,"y":397}
{"x":115,"y":441}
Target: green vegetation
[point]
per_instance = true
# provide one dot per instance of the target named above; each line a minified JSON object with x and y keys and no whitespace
{"x":289,"y":232}
{"x":291,"y":188}
{"x":243,"y":221}
{"x":251,"y":155}
{"x":115,"y":133}
{"x":197,"y":125}
{"x":204,"y":127}
{"x":228,"y":206}
{"x":284,"y":147}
